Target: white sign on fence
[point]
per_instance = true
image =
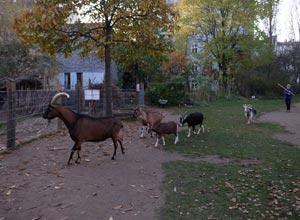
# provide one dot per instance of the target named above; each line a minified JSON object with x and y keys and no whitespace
{"x":92,"y":94}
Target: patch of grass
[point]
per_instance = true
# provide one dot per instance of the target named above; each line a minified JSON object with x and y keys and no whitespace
{"x":208,"y":191}
{"x":271,"y":127}
{"x":228,"y":135}
{"x":268,"y":190}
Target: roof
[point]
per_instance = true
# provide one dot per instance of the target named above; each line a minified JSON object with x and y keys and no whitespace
{"x":75,"y":63}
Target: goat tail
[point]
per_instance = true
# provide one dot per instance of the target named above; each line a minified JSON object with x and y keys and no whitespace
{"x":56,"y":96}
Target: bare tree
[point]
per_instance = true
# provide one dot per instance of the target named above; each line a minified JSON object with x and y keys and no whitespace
{"x":294,"y":21}
{"x":270,"y":20}
{"x":296,"y":6}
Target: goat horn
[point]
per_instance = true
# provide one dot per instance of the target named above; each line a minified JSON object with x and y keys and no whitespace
{"x":56,"y":96}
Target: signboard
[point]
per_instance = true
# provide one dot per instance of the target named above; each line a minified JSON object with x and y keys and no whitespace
{"x":92,"y":94}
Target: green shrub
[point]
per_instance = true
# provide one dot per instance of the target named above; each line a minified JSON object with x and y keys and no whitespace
{"x":173,"y":91}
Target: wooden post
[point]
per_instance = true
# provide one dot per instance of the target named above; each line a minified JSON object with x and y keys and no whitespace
{"x":59,"y":125}
{"x":141,"y":102}
{"x":11,"y":116}
{"x":79,"y":88}
{"x":137,"y":95}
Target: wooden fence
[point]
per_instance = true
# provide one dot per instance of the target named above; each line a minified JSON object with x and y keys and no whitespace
{"x":21,"y":111}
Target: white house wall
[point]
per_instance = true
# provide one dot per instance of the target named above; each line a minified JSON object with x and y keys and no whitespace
{"x":95,"y":77}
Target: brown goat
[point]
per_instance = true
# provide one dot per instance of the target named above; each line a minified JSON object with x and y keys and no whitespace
{"x":164,"y":128}
{"x":83,"y":128}
{"x":148,"y":118}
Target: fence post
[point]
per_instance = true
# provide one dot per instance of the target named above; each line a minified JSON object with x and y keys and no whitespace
{"x":79,"y":89}
{"x":59,"y":125}
{"x":11,"y":116}
{"x":137,"y":94}
{"x":141,"y":97}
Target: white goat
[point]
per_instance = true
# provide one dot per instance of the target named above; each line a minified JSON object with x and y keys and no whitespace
{"x":250,"y":113}
{"x":148,"y":119}
{"x":161,"y":129}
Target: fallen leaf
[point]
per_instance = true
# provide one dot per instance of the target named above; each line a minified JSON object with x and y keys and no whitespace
{"x":229,"y":185}
{"x":233,"y":207}
{"x":233,"y":199}
{"x":22,"y":168}
{"x":127,"y":210}
{"x":36,"y":218}
{"x":110,"y":218}
{"x":106,"y":154}
{"x":66,"y":206}
{"x":118,"y":207}
{"x":8,"y":192}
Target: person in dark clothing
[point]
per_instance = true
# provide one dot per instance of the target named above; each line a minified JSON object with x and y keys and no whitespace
{"x":288,"y":93}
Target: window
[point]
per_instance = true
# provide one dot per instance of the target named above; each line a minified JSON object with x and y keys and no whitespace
{"x":79,"y":80}
{"x":67,"y":81}
{"x":193,"y":84}
{"x":194,"y":68}
{"x":195,"y":48}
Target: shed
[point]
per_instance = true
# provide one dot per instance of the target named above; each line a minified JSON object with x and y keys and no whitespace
{"x":89,"y":68}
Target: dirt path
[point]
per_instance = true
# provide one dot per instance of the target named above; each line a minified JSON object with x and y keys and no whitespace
{"x":36,"y":183}
{"x":290,"y":120}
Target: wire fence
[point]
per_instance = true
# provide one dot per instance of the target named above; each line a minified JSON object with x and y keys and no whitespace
{"x":21,"y":112}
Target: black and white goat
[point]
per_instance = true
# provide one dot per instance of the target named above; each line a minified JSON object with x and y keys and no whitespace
{"x":250,"y":113}
{"x":192,"y":120}
{"x":164,"y":128}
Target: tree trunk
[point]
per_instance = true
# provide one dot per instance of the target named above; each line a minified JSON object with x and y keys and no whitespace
{"x":137,"y":82}
{"x":107,"y":83}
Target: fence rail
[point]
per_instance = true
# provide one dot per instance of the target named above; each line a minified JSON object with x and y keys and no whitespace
{"x":21,"y":110}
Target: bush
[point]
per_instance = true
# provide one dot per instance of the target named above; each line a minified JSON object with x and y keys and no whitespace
{"x":173,"y":91}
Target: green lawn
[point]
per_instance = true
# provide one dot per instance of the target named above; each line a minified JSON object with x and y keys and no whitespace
{"x":269,"y":189}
